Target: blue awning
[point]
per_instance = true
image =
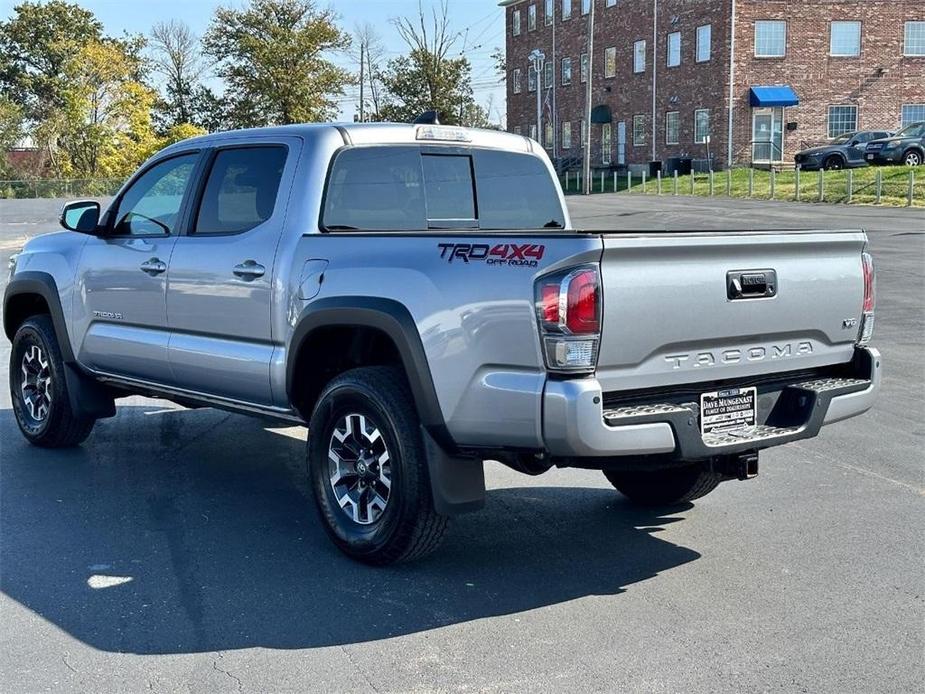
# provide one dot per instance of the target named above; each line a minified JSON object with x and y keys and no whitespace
{"x":779,"y":95}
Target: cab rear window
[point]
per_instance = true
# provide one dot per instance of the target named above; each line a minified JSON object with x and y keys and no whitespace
{"x":398,"y":188}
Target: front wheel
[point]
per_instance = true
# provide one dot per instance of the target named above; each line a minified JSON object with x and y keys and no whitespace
{"x":664,"y":487}
{"x":39,"y":391}
{"x":368,"y":469}
{"x":912,"y":158}
{"x":833,"y":163}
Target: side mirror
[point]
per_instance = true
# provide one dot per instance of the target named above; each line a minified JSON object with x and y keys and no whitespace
{"x":81,"y":215}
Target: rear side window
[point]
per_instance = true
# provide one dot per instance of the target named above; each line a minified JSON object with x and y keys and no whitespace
{"x":406,"y":189}
{"x":241,"y":190}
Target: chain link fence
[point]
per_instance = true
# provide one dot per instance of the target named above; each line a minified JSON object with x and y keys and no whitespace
{"x":59,"y":187}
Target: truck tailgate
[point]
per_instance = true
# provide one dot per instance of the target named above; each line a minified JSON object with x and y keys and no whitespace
{"x":671,"y":317}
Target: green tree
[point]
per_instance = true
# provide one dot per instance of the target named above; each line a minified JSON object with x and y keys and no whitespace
{"x":175,"y":56}
{"x":271,"y":55}
{"x":428,"y":77}
{"x":11,"y":130}
{"x":36,"y":44}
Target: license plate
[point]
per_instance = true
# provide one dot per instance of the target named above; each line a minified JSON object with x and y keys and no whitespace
{"x":733,"y":408}
{"x":870,"y":156}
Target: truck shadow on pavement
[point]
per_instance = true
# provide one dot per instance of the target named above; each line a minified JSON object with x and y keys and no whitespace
{"x":174,"y":531}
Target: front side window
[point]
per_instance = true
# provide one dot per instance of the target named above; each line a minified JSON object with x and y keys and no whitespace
{"x":515,"y":78}
{"x":914,"y":130}
{"x":701,"y":125}
{"x":606,"y":133}
{"x":566,"y":134}
{"x":845,"y":39}
{"x":531,"y":18}
{"x":639,"y":130}
{"x":584,"y":67}
{"x":674,"y":49}
{"x":515,"y":23}
{"x":912,"y":113}
{"x":770,"y":39}
{"x":914,"y":43}
{"x":672,"y":127}
{"x":639,"y":56}
{"x":240,"y":192}
{"x":566,"y":71}
{"x":402,"y":188}
{"x":842,"y":119}
{"x":704,"y":38}
{"x":151,"y":205}
{"x":610,"y":61}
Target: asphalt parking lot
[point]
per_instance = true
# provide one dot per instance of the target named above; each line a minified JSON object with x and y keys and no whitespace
{"x":177,"y":550}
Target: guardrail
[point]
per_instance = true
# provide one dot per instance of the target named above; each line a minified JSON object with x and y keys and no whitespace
{"x":59,"y":187}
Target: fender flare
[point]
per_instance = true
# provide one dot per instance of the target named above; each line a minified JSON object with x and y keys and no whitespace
{"x":86,"y":395}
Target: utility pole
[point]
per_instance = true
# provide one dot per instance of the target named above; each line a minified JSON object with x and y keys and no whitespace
{"x":538,"y":58}
{"x":586,"y":165}
{"x":362,"y":79}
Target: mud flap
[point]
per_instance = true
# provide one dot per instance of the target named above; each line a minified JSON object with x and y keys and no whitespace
{"x":457,"y":484}
{"x":87,"y":396}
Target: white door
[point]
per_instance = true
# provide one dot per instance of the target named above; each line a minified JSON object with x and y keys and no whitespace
{"x":767,"y":134}
{"x":621,"y":143}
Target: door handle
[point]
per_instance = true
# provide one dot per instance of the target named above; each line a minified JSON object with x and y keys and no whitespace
{"x":154,"y":266}
{"x":249,"y":270}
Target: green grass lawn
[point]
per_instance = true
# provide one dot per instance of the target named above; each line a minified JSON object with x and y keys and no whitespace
{"x":845,"y":186}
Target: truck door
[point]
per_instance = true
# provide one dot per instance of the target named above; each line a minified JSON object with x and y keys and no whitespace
{"x":220,"y":283}
{"x":120,"y":315}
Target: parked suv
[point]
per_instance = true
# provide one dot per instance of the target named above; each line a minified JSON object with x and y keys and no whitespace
{"x":416,"y":295}
{"x":843,"y":152}
{"x":905,"y":147}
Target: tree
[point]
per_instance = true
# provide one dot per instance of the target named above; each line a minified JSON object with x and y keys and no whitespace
{"x":176,"y":57}
{"x":35,"y":46}
{"x":428,"y":78}
{"x":369,"y":50}
{"x":271,"y":55}
{"x":11,"y":130}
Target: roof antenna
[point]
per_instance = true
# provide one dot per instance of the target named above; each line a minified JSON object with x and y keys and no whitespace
{"x":427,"y":118}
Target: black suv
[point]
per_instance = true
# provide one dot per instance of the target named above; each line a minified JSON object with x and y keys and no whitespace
{"x":843,"y":152}
{"x":905,"y":147}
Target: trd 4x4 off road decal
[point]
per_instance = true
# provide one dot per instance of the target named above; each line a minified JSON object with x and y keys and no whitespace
{"x":513,"y":254}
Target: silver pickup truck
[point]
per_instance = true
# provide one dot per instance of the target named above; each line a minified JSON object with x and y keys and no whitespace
{"x":417,"y":296}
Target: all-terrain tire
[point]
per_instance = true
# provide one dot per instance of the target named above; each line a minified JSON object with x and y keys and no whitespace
{"x":371,"y":408}
{"x":36,"y":354}
{"x":664,"y":487}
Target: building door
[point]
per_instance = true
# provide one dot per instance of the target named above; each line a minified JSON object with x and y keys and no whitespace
{"x":767,"y":134}
{"x":621,"y":143}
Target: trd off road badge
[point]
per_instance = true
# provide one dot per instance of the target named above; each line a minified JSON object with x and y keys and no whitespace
{"x":510,"y":254}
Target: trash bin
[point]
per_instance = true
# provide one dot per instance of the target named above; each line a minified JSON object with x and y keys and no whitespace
{"x":654,"y":168}
{"x":684,"y":166}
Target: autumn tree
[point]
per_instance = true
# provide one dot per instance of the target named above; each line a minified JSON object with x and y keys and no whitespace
{"x":272,"y":56}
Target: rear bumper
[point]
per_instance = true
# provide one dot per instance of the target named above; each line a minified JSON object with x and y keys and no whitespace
{"x":578,"y":424}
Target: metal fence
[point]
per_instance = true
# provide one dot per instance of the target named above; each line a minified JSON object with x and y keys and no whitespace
{"x":887,"y":185}
{"x":59,"y":187}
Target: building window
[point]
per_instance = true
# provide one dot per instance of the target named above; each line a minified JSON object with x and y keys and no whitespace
{"x":584,"y":67}
{"x":584,"y":133}
{"x":531,"y":79}
{"x":912,"y":113}
{"x":566,"y":9}
{"x":515,"y":22}
{"x":585,"y":6}
{"x":915,"y":39}
{"x":532,"y":131}
{"x":606,"y":133}
{"x":672,"y":127}
{"x":639,"y":131}
{"x":842,"y":119}
{"x":566,"y":71}
{"x":610,"y":61}
{"x":547,"y":136}
{"x":547,"y":12}
{"x":531,"y":18}
{"x":770,"y":39}
{"x":701,"y":125}
{"x":704,"y":38}
{"x":611,"y":3}
{"x":515,"y":79}
{"x":845,"y":38}
{"x":674,"y":49}
{"x":639,"y":56}
{"x":566,"y":134}
{"x":549,"y":77}
{"x":517,"y":130}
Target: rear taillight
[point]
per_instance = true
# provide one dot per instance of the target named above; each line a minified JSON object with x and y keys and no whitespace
{"x":568,"y":310}
{"x":870,"y":287}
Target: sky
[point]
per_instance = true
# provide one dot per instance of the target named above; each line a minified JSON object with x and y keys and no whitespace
{"x":480,"y":24}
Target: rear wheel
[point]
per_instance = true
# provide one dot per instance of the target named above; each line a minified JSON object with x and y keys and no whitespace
{"x":39,"y":391}
{"x":666,"y":486}
{"x":368,"y":469}
{"x":912,"y":158}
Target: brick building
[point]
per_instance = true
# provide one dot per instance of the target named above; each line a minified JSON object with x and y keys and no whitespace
{"x":674,"y":78}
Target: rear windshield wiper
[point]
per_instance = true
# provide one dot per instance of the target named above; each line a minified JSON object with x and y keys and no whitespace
{"x":340,"y":227}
